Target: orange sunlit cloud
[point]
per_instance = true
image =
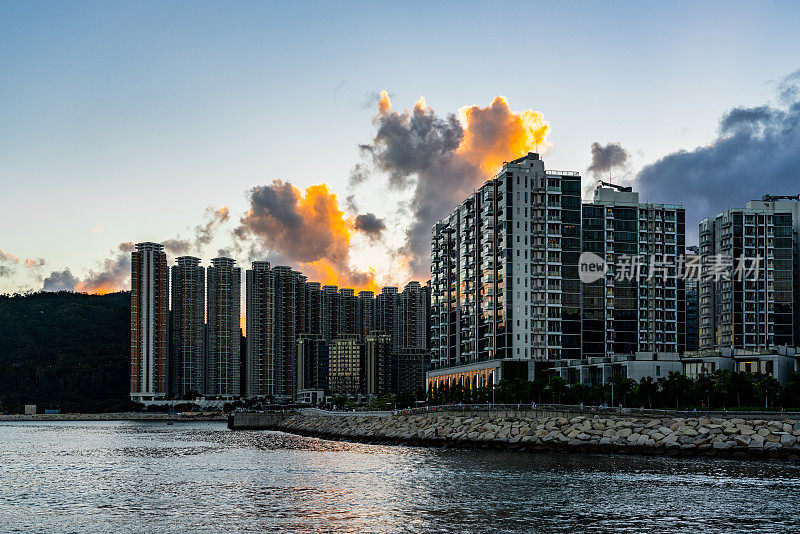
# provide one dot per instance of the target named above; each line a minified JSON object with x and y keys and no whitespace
{"x":324,"y":272}
{"x":495,"y":134}
{"x":384,"y":104}
{"x":84,"y":287}
{"x":7,"y":256}
{"x":306,"y":227}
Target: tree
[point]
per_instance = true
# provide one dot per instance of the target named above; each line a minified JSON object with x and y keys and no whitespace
{"x":790,"y":396}
{"x":741,"y":385}
{"x":704,"y":385}
{"x":647,"y":390}
{"x":557,"y":386}
{"x":675,"y":386}
{"x":767,"y":387}
{"x":65,"y":350}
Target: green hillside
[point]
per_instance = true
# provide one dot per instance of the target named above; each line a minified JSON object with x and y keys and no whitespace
{"x":65,"y":350}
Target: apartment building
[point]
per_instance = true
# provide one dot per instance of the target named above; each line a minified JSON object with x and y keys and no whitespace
{"x":187,"y":368}
{"x":223,"y":329}
{"x":749,"y":290}
{"x":504,"y":272}
{"x":149,"y":320}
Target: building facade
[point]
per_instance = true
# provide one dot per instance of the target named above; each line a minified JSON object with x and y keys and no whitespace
{"x":504,"y":270}
{"x":413,"y":321}
{"x":312,"y":363}
{"x":640,"y":305}
{"x":149,"y":320}
{"x":187,"y":368}
{"x":277,"y":316}
{"x":223,"y":329}
{"x":347,"y":374}
{"x":749,"y":289}
{"x":259,"y":320}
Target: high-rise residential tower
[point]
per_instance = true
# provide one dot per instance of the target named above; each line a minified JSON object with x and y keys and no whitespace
{"x":504,"y":274}
{"x":187,"y":368}
{"x":366,"y":313}
{"x":412,"y":317}
{"x":289,"y":298}
{"x":387,"y":319}
{"x":347,"y":375}
{"x":640,"y":305}
{"x":149,"y":318}
{"x":758,"y":309}
{"x":276,"y":316}
{"x":224,"y":329}
{"x":260,"y":320}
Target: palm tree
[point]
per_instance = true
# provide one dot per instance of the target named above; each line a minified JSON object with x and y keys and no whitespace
{"x":647,"y":389}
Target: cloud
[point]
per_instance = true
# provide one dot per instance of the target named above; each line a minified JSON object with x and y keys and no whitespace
{"x":608,"y":157}
{"x":177,"y":246}
{"x":307,"y":228}
{"x":204,"y":233}
{"x":60,"y":281}
{"x":32,"y":263}
{"x":369,"y":224}
{"x":8,"y":257}
{"x":444,"y":158}
{"x":113,"y":274}
{"x":756,"y":152}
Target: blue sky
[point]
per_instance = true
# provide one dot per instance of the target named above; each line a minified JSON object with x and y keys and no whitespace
{"x":131,"y":118}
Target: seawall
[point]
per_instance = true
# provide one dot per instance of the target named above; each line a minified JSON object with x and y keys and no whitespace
{"x":551,"y":431}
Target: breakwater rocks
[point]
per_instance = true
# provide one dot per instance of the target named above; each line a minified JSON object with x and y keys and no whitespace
{"x":566,"y":432}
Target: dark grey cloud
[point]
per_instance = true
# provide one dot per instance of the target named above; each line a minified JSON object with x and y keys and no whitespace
{"x":418,"y":149}
{"x":756,"y":152}
{"x":60,"y":281}
{"x":407,"y":144}
{"x":298,"y":228}
{"x":204,"y":233}
{"x":608,"y":157}
{"x":177,"y":246}
{"x":5,"y":270}
{"x":358,"y":174}
{"x":113,"y":274}
{"x":370,"y":224}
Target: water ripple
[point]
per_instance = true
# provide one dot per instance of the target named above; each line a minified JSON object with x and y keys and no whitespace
{"x":200,"y":477}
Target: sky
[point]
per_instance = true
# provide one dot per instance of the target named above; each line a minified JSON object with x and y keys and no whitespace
{"x":141,"y":121}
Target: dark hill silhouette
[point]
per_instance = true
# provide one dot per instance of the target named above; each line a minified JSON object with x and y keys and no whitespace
{"x":64,"y":350}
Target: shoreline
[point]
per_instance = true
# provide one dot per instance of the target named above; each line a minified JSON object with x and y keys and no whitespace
{"x":548,"y":432}
{"x":554,"y":448}
{"x":132,"y":416}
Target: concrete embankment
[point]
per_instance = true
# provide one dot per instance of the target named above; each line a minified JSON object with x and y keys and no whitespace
{"x":551,"y":431}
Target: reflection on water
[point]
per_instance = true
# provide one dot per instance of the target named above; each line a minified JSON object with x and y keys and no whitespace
{"x":134,"y":477}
